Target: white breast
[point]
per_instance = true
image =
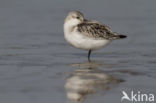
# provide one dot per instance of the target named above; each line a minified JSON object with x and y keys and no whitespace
{"x":79,"y":41}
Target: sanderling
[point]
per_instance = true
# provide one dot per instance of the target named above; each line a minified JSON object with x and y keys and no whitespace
{"x":87,"y":34}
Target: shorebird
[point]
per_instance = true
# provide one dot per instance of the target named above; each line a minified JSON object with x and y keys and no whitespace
{"x":86,"y":34}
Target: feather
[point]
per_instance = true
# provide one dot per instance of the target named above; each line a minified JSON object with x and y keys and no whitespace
{"x":98,"y":31}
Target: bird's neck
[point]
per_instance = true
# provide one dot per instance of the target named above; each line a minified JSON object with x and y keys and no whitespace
{"x":69,"y":25}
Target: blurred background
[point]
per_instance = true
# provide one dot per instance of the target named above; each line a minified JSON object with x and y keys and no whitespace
{"x":35,"y":60}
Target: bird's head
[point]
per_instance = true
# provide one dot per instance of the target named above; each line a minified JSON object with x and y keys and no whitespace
{"x":74,"y":18}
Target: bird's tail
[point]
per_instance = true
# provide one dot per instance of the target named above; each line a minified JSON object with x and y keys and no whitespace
{"x":122,"y":36}
{"x":119,"y":36}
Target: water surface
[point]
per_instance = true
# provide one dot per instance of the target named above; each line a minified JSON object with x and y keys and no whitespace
{"x":38,"y":66}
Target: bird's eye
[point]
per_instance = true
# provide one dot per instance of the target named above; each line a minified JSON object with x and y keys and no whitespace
{"x":78,"y":17}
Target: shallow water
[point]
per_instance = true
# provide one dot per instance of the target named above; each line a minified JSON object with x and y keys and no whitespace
{"x":38,"y":66}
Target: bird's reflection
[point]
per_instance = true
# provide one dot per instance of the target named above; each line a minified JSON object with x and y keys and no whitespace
{"x":87,"y":79}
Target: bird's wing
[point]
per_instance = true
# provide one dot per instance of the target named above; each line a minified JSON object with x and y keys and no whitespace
{"x":96,"y":30}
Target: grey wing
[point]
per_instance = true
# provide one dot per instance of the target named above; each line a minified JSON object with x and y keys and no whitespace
{"x":96,"y":30}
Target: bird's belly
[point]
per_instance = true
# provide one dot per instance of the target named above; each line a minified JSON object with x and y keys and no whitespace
{"x":86,"y":43}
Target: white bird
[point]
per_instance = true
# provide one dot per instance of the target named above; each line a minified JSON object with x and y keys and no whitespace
{"x":87,"y":35}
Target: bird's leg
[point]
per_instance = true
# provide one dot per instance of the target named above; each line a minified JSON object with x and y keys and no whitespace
{"x":89,"y":52}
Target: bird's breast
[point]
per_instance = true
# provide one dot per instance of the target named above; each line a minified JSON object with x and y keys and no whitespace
{"x":82,"y":42}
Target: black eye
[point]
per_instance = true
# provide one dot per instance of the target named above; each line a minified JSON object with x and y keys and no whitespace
{"x":78,"y":17}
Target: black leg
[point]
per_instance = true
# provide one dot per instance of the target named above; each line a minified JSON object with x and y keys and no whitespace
{"x":89,"y":52}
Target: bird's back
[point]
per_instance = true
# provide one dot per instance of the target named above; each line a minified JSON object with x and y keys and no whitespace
{"x":97,"y":31}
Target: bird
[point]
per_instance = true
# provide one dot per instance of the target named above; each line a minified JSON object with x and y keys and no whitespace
{"x":86,"y":34}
